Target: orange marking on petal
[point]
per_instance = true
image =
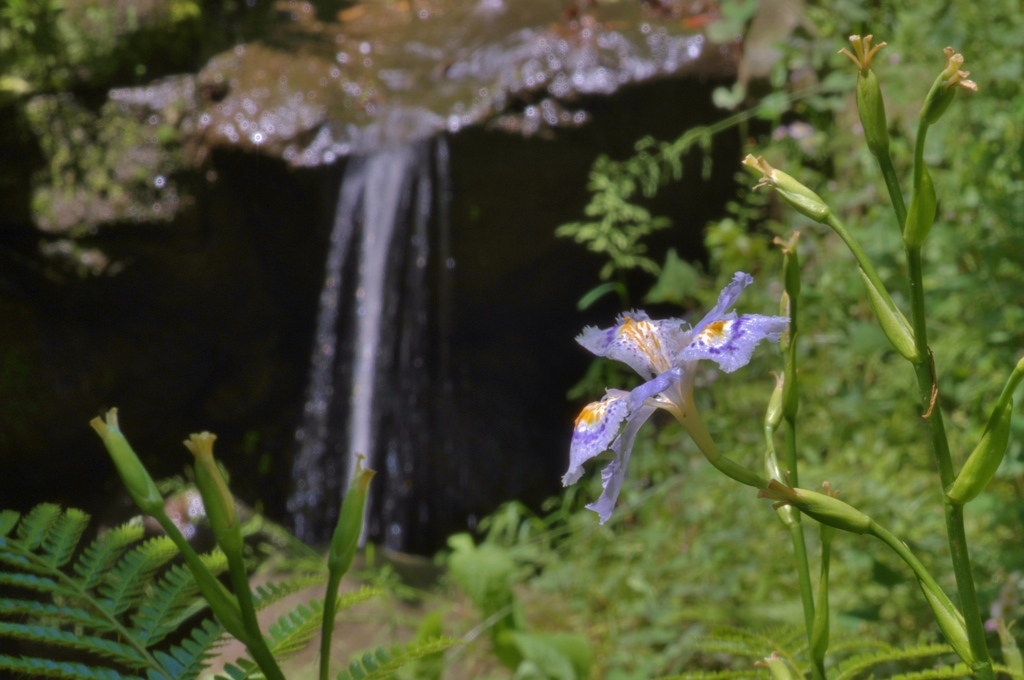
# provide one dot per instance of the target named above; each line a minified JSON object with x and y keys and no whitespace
{"x":591,"y":413}
{"x":715,"y":330}
{"x":642,"y":333}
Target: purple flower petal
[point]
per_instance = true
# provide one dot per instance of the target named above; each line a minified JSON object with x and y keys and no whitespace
{"x":726,"y":299}
{"x":654,"y":387}
{"x":614,"y":473}
{"x":596,"y":429}
{"x":646,"y":346}
{"x":731,"y":342}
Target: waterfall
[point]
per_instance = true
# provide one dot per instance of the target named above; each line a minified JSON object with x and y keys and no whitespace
{"x":380,"y":325}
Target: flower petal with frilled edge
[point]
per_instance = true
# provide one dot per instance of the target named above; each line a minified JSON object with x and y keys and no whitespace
{"x":614,"y":473}
{"x":731,"y":342}
{"x":596,"y":429}
{"x":646,"y":346}
{"x":726,"y":299}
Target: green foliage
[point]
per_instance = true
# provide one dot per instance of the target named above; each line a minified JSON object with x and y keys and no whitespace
{"x":111,"y":606}
{"x":487,"y":574}
{"x":619,"y":225}
{"x":686,"y":550}
{"x":293,"y":631}
{"x":381,"y":663}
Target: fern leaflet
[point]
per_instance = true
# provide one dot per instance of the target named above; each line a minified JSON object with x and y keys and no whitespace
{"x":109,"y":608}
{"x":940,"y":673}
{"x":719,"y":675}
{"x":382,"y":664}
{"x":290,"y":633}
{"x":851,"y":667}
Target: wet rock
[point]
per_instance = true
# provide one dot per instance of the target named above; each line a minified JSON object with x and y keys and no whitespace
{"x":386,"y":73}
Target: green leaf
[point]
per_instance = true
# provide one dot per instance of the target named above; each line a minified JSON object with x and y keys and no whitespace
{"x":34,"y":526}
{"x":63,"y":537}
{"x":126,"y":584}
{"x":387,"y":664}
{"x":38,"y":610}
{"x":103,"y":552}
{"x":59,"y":669}
{"x":852,"y":667}
{"x":109,"y":649}
{"x":678,"y":283}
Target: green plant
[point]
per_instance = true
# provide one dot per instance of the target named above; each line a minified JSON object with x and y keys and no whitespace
{"x":114,"y":605}
{"x":888,"y":421}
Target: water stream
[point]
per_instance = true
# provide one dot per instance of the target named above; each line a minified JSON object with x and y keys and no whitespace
{"x":379,"y":325}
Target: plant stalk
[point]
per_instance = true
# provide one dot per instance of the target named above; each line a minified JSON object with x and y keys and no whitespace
{"x":327,"y":630}
{"x":796,"y":530}
{"x":256,"y":644}
{"x":892,"y":183}
{"x":925,"y":370}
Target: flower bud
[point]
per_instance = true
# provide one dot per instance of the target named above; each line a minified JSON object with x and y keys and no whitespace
{"x":950,"y":620}
{"x":943,"y":90}
{"x":822,"y":507}
{"x":777,"y":667}
{"x":133,"y":473}
{"x":870,"y":105}
{"x":982,"y":464}
{"x":892,"y":321}
{"x":217,"y":499}
{"x":793,"y":192}
{"x":921,"y":213}
{"x":350,"y":520}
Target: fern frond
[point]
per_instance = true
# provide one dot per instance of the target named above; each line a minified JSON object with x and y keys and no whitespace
{"x":382,"y":664}
{"x":858,"y":664}
{"x":245,"y":669}
{"x":172,"y":601}
{"x":104,"y":552}
{"x":43,"y":610}
{"x":291,"y":632}
{"x":786,"y":641}
{"x":187,"y":660}
{"x":719,"y":675}
{"x":8,"y":520}
{"x":33,"y":527}
{"x":115,"y":651}
{"x":29,"y":581}
{"x":59,"y":669}
{"x":940,"y":673}
{"x":1006,"y":670}
{"x":62,"y":539}
{"x":108,"y":584}
{"x":271,"y":593}
{"x":854,"y":644}
{"x":127,"y":582}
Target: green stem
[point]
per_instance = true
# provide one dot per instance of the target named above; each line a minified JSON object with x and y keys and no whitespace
{"x":956,"y":535}
{"x":901,"y":549}
{"x":790,"y":400}
{"x":892,"y":183}
{"x":796,"y":533}
{"x":862,"y":259}
{"x":256,"y":645}
{"x":327,"y":630}
{"x":820,"y":631}
{"x":698,"y":432}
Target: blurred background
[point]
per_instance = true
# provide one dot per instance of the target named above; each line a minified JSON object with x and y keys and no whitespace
{"x":328,"y":228}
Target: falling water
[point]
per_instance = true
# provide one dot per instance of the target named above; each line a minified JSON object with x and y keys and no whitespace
{"x":370,"y":377}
